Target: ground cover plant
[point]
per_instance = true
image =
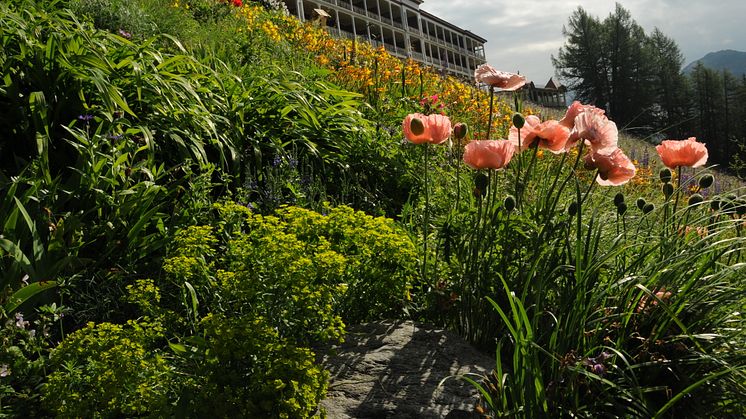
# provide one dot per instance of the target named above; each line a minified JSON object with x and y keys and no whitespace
{"x":197,"y":193}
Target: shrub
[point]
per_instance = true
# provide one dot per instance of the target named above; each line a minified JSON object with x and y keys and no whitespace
{"x":109,"y":370}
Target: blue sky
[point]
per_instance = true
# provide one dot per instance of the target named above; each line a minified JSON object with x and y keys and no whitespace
{"x":523,"y":34}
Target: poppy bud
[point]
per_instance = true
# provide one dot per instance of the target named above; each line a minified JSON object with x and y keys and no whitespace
{"x":481,"y":181}
{"x":416,"y":126}
{"x":648,"y":208}
{"x":572,"y":209}
{"x":665,"y":175}
{"x":695,"y":199}
{"x":618,"y":199}
{"x":741,"y":206}
{"x":518,"y":121}
{"x":509,"y":203}
{"x":706,"y":181}
{"x":460,"y":130}
{"x":641,"y":203}
{"x":667,"y":190}
{"x":715,"y":204}
{"x":621,"y":208}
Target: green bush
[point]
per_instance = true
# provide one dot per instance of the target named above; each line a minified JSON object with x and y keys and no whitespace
{"x":109,"y":370}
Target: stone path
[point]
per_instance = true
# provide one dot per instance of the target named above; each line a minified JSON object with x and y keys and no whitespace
{"x":392,"y":370}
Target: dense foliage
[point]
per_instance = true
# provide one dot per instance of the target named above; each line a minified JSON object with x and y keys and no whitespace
{"x":196,"y":195}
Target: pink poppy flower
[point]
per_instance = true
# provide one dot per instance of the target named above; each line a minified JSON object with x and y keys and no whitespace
{"x":550,"y":135}
{"x":597,"y":130}
{"x":435,"y":128}
{"x":488,"y":154}
{"x":439,"y":127}
{"x":575,"y":109}
{"x":613,"y":169}
{"x":662,"y":295}
{"x":487,"y":74}
{"x":687,"y":153}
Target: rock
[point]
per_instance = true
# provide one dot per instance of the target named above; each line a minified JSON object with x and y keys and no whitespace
{"x":392,"y":370}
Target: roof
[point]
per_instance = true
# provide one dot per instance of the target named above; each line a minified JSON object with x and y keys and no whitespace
{"x":553,"y":83}
{"x":322,"y":13}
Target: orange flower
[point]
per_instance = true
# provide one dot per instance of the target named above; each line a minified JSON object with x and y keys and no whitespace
{"x":488,"y":154}
{"x":687,"y":152}
{"x":420,"y":129}
{"x":613,"y":169}
{"x":575,"y":109}
{"x":487,"y":74}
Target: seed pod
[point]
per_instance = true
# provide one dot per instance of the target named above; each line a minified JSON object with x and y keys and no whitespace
{"x":641,"y":203}
{"x":665,"y":175}
{"x":509,"y":203}
{"x":706,"y":181}
{"x":695,"y":199}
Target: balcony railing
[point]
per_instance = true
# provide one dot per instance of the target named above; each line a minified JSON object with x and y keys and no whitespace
{"x":360,"y":10}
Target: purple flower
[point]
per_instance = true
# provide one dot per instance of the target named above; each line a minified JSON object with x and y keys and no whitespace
{"x":598,"y":369}
{"x":125,"y":34}
{"x":85,"y":118}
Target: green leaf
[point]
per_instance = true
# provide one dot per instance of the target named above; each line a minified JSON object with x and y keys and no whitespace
{"x":19,"y":297}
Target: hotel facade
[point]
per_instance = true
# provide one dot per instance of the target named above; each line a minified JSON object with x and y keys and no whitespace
{"x":400,"y":27}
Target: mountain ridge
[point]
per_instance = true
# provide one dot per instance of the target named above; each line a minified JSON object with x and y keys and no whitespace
{"x":727,"y":59}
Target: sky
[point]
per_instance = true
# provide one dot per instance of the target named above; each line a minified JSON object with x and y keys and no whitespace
{"x":522,"y":35}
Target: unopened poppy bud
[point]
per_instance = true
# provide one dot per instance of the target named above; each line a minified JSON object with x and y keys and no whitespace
{"x":741,"y":206}
{"x":618,"y":199}
{"x":648,"y":208}
{"x":572,"y":209}
{"x":509,"y":203}
{"x":621,"y":208}
{"x":667,"y":190}
{"x":460,"y":130}
{"x":695,"y":199}
{"x":481,"y":181}
{"x":416,"y":126}
{"x":706,"y":181}
{"x":715,"y":204}
{"x":519,"y":121}
{"x":641,"y":203}
{"x":665,"y":175}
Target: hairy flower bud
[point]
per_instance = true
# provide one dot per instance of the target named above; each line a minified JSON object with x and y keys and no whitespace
{"x":706,"y":181}
{"x":665,"y":175}
{"x":618,"y":199}
{"x":667,"y":190}
{"x":519,"y":121}
{"x":572,"y":209}
{"x":509,"y":203}
{"x":696,"y":199}
{"x":641,"y":203}
{"x":460,"y":130}
{"x":648,"y":208}
{"x":621,"y":208}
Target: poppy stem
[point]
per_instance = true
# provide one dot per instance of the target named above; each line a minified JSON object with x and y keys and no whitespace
{"x":426,"y":218}
{"x":489,"y":121}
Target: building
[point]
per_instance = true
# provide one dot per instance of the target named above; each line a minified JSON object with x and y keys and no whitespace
{"x":401,"y":27}
{"x":553,"y":95}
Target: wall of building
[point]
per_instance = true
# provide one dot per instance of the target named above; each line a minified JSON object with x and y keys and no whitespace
{"x":402,"y":28}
